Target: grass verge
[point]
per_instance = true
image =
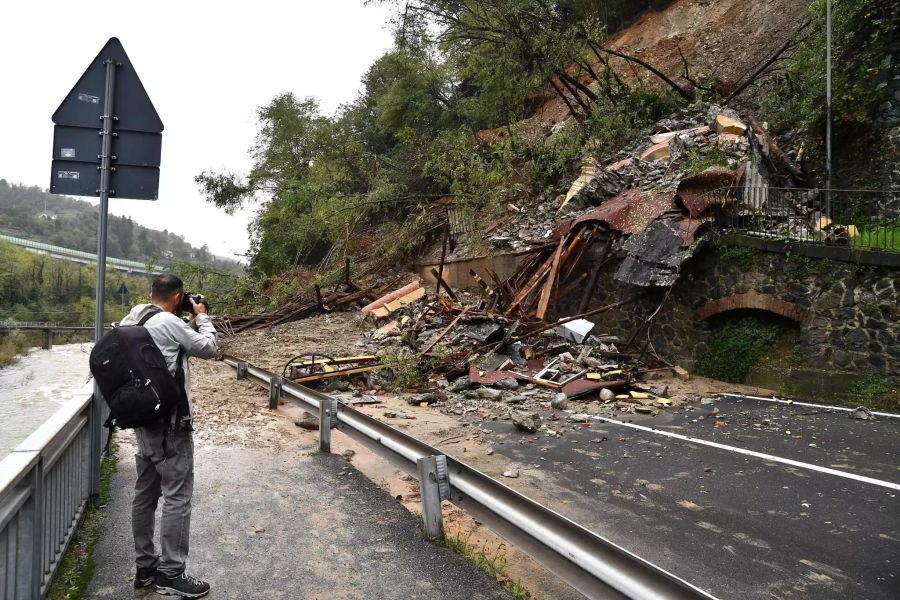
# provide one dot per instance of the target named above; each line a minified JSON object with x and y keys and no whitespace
{"x":77,"y":567}
{"x":492,"y":563}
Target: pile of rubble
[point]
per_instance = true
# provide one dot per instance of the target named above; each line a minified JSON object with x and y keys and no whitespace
{"x":463,"y":357}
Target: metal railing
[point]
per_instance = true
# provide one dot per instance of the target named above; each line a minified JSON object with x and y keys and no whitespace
{"x":594,"y":566}
{"x":857,"y":219}
{"x":45,"y":484}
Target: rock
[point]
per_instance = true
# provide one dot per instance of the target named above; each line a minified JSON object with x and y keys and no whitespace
{"x":526,"y":422}
{"x":348,"y":454}
{"x":707,"y":401}
{"x":419,"y":399}
{"x":647,"y":410}
{"x":307,"y":421}
{"x":560,"y":401}
{"x":681,"y":373}
{"x":511,"y":473}
{"x":517,"y":399}
{"x":507,"y":384}
{"x":489,"y":393}
{"x":862,"y":414}
{"x":660,"y":390}
{"x":607,"y":395}
{"x":459,"y":385}
{"x":580,"y":417}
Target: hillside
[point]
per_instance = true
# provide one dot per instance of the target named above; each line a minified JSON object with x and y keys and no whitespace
{"x":31,"y":213}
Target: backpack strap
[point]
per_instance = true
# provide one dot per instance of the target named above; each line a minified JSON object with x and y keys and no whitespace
{"x":182,"y":410}
{"x":150,"y":314}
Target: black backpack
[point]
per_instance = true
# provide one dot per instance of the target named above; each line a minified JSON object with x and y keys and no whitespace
{"x":131,"y":373}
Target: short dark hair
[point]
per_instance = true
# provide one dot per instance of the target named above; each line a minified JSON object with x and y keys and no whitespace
{"x":165,"y":285}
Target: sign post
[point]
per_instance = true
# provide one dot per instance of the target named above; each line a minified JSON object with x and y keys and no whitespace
{"x":107,"y":142}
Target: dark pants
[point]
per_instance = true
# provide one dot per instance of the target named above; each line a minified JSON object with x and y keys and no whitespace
{"x":166,"y":472}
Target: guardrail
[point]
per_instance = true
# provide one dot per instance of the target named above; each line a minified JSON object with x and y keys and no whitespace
{"x":45,"y":484}
{"x":594,"y":566}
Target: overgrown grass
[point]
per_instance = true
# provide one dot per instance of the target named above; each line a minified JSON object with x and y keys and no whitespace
{"x":702,"y":159}
{"x":876,"y":392}
{"x":77,"y":567}
{"x":737,"y":345}
{"x":492,"y":562}
{"x":884,"y":236}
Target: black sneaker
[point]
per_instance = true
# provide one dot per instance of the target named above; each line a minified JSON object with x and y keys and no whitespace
{"x":183,"y":585}
{"x":144,"y":576}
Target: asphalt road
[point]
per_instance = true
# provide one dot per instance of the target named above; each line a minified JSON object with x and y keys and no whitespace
{"x":292,"y":527}
{"x":737,"y":525}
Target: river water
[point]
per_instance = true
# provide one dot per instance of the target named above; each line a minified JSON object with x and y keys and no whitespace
{"x":33,"y":388}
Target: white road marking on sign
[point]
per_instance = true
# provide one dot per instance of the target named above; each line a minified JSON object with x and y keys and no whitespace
{"x":824,"y":406}
{"x":753,"y":453}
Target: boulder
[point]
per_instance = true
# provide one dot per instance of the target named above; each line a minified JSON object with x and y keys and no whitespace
{"x":526,"y":422}
{"x":560,"y":401}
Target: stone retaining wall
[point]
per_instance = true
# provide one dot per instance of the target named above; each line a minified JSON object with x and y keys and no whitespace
{"x":848,"y":314}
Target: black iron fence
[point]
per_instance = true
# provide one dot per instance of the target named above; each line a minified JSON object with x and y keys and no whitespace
{"x":860,"y":219}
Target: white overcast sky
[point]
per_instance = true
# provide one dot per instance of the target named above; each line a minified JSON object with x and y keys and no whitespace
{"x":207,"y":67}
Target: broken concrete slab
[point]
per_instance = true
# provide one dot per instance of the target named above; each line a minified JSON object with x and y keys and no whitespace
{"x":657,"y":152}
{"x":726,"y":124}
{"x":575,"y":331}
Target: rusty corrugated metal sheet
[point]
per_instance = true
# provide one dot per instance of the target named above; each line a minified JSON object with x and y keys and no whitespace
{"x":630,"y":212}
{"x":693,"y":192}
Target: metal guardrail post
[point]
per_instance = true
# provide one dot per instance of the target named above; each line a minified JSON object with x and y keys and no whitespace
{"x":275,"y":392}
{"x":327,"y":421}
{"x":242,"y":369}
{"x":434,"y":486}
{"x":96,"y":450}
{"x":30,"y":587}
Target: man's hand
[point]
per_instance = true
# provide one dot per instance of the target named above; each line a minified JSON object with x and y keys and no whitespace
{"x":197,"y":308}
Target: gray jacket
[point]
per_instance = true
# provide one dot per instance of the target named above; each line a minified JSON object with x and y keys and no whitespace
{"x":171,"y":334}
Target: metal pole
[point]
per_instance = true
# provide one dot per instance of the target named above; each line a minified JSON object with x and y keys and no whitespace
{"x":96,"y":420}
{"x":828,"y":108}
{"x":105,"y":171}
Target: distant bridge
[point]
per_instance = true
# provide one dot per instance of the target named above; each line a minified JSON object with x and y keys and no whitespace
{"x":46,"y":327}
{"x":120,"y":264}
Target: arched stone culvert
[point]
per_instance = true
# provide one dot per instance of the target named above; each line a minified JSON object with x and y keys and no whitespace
{"x":753,"y":300}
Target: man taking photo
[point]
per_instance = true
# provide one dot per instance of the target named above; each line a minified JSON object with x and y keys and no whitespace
{"x":165,"y":455}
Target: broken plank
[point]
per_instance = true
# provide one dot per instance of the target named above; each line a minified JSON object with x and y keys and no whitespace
{"x":544,"y":302}
{"x":444,"y":332}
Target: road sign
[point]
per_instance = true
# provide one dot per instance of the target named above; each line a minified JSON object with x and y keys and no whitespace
{"x":122,"y":289}
{"x":107,"y":142}
{"x":136,"y":144}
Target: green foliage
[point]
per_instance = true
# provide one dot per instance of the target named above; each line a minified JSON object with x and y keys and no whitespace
{"x":863,"y":34}
{"x":30,"y":213}
{"x":870,"y":389}
{"x":34,"y":287}
{"x":710,"y":156}
{"x":12,"y":345}
{"x":739,"y":256}
{"x":735,"y":346}
{"x":365,"y":181}
{"x":407,"y":370}
{"x":616,"y":122}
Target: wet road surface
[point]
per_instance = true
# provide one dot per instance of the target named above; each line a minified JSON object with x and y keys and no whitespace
{"x":737,"y":525}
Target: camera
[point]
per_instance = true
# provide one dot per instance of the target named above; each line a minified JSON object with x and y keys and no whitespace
{"x":186,"y":305}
